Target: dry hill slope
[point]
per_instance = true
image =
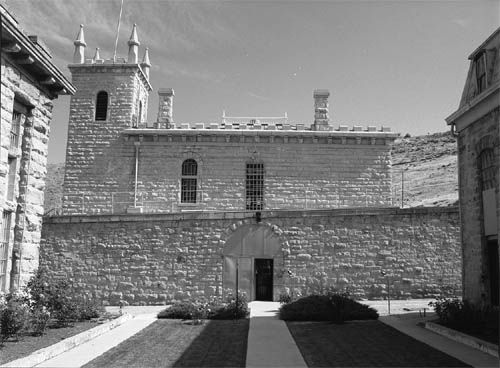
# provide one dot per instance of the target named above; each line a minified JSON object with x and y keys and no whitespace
{"x":428,"y":166}
{"x":428,"y":163}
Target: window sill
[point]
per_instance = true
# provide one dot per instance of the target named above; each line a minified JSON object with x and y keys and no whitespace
{"x":189,"y":204}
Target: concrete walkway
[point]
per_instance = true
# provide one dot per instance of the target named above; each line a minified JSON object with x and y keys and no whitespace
{"x":82,"y":354}
{"x":270,"y":344}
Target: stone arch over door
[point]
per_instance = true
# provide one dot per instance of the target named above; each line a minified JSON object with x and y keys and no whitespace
{"x":245,"y":243}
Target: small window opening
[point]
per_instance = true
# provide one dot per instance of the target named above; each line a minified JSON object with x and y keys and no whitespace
{"x":481,"y":72}
{"x":101,"y":106}
{"x":487,"y":165}
{"x":189,"y":181}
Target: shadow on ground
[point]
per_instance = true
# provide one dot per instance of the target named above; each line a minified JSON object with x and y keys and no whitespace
{"x":364,"y":344}
{"x":220,"y":344}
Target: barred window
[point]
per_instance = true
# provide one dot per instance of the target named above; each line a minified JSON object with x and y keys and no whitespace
{"x":487,"y":166}
{"x":255,"y":186}
{"x":189,"y":181}
{"x":101,"y":106}
{"x":480,"y":62}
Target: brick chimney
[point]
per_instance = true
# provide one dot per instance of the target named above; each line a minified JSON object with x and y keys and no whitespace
{"x":166,"y":97}
{"x":321,"y":120}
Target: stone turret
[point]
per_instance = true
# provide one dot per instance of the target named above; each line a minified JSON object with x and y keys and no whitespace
{"x":165,"y":107}
{"x":79,"y":55}
{"x":146,"y":64}
{"x":133,"y":47}
{"x":321,"y":119}
{"x":112,"y":95}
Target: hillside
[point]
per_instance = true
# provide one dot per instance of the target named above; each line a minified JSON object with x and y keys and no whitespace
{"x":54,"y":187}
{"x":428,"y":163}
{"x":429,"y":167}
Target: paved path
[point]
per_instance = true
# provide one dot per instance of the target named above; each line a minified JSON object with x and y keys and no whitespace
{"x":82,"y":354}
{"x":270,"y":344}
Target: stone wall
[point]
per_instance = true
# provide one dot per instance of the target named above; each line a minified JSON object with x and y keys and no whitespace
{"x":29,"y":161}
{"x":154,"y":259}
{"x":301,"y":170}
{"x":482,"y":134}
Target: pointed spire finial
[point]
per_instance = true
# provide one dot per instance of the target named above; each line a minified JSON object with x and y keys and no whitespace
{"x":133,"y":47}
{"x":79,"y":55}
{"x":146,"y":64}
{"x":80,"y":39}
{"x":145,"y":59}
{"x":134,"y":39}
{"x":97,"y":55}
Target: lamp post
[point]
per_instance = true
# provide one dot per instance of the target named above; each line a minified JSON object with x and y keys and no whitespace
{"x":383,"y":273}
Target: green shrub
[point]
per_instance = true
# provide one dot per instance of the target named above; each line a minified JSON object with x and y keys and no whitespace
{"x":12,"y":319}
{"x":38,"y":320}
{"x":182,"y":310}
{"x":469,"y":318}
{"x":233,"y":309}
{"x":331,"y":307}
{"x":88,"y":309}
{"x":56,"y":296}
{"x":285,"y":298}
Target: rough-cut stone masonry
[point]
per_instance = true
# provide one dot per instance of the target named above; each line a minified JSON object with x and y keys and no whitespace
{"x":302,"y":169}
{"x":483,"y":134}
{"x":30,"y":160}
{"x":29,"y":83}
{"x":153,"y":259}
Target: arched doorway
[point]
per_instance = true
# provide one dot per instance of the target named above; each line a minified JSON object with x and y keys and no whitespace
{"x":253,"y":260}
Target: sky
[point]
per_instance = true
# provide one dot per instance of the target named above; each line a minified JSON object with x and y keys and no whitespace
{"x":400,"y":64}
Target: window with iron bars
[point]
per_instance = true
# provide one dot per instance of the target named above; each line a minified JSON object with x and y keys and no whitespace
{"x":488,"y":172}
{"x":4,"y":248}
{"x":189,"y":181}
{"x":254,"y":187}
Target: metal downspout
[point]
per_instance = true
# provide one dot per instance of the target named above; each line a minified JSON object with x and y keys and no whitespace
{"x":137,"y":145}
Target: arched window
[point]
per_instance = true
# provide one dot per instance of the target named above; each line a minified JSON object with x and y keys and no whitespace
{"x":189,"y":181}
{"x":487,"y":166}
{"x":254,"y":186}
{"x":101,"y":106}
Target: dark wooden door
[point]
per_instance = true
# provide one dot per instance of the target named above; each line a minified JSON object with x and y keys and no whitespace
{"x":264,"y":279}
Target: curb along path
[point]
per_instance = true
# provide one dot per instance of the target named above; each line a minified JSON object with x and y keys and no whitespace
{"x":90,"y":350}
{"x":67,"y":344}
{"x":270,"y":343}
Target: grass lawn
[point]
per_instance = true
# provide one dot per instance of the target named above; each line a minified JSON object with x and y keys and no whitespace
{"x":28,"y":344}
{"x":364,"y":344}
{"x":172,"y":343}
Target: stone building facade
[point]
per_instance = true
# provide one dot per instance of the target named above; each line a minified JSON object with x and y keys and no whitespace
{"x":161,"y":211}
{"x":30,"y":81}
{"x":477,"y":123}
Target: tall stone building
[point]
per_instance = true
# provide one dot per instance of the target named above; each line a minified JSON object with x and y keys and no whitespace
{"x":477,"y":123}
{"x":156,"y":211}
{"x":30,"y":81}
{"x":116,"y":161}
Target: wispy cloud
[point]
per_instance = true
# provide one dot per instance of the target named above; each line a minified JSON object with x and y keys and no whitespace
{"x":172,"y":30}
{"x":258,"y":97}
